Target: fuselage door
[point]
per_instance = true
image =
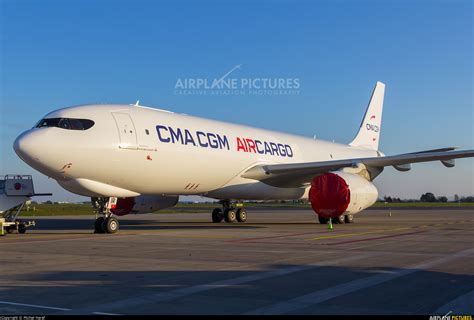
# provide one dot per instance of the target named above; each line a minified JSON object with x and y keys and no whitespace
{"x":127,"y":132}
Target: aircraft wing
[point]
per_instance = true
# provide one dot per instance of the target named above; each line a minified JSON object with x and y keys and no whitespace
{"x":299,"y":174}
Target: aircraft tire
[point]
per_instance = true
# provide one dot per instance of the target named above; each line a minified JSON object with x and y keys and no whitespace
{"x":349,"y":218}
{"x":98,"y":225}
{"x":323,"y":220}
{"x":110,"y":225}
{"x":340,"y":219}
{"x":241,"y":215}
{"x":217,"y":215}
{"x":21,"y":228}
{"x":230,"y":216}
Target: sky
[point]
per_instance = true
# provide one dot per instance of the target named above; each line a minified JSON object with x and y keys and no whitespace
{"x":60,"y":53}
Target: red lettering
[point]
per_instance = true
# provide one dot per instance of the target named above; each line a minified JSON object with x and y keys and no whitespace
{"x":241,"y":145}
{"x":251,"y":145}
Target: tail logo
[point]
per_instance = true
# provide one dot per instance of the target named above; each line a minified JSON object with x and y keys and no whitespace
{"x":372,"y":127}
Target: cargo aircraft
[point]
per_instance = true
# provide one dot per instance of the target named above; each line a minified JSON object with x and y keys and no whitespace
{"x":135,"y":159}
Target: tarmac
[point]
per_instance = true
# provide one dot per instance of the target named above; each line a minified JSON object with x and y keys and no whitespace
{"x":414,"y":261}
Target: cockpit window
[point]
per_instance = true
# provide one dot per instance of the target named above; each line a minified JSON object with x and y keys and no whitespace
{"x":65,"y":123}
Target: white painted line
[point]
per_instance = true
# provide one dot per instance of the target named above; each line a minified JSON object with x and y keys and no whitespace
{"x":34,"y":306}
{"x":182,"y":292}
{"x":320,"y":296}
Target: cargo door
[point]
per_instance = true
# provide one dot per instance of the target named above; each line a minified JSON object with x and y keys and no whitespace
{"x":127,"y":132}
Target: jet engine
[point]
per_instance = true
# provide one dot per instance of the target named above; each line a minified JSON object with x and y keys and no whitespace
{"x":335,"y":193}
{"x":140,"y":204}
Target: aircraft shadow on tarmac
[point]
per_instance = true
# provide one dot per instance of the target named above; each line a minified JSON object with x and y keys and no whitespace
{"x":81,"y":224}
{"x":421,"y":292}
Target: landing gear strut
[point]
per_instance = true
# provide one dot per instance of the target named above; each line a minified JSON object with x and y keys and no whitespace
{"x":106,"y":223}
{"x":229,"y":213}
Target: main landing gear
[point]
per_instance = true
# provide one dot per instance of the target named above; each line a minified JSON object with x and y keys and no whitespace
{"x":106,"y":223}
{"x":229,"y":213}
{"x":345,"y":218}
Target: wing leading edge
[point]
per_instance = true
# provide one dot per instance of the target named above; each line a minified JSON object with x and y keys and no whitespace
{"x":299,"y":174}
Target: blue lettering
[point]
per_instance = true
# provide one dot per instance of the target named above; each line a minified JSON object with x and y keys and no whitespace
{"x":199,"y":134}
{"x":217,"y":141}
{"x":282,"y":150}
{"x":213,"y":143}
{"x":189,"y":137}
{"x":223,"y":142}
{"x":257,"y":143}
{"x":176,"y":136}
{"x":289,"y":152}
{"x":267,"y":148}
{"x":274,"y":148}
{"x":158,"y":128}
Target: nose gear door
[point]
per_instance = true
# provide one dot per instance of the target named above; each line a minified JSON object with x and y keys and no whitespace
{"x":127,"y":132}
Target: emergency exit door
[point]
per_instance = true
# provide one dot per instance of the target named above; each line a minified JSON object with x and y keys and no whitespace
{"x":126,"y":129}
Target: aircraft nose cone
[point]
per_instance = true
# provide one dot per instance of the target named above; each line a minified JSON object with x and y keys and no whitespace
{"x":30,"y":147}
{"x":22,"y":145}
{"x":41,"y":150}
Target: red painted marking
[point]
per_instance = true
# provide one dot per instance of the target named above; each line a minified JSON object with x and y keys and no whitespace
{"x":373,"y":117}
{"x":373,"y":139}
{"x":148,"y":157}
{"x":375,"y":238}
{"x":251,"y":145}
{"x":241,"y":145}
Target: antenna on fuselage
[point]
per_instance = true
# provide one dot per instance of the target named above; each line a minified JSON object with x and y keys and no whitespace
{"x":137,"y":103}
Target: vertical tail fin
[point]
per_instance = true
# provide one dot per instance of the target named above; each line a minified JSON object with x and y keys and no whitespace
{"x":369,"y":131}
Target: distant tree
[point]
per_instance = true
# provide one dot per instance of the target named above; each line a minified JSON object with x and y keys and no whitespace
{"x":428,"y":197}
{"x":456,"y":198}
{"x":388,"y":199}
{"x":467,"y":199}
{"x":49,"y":202}
{"x":442,"y":199}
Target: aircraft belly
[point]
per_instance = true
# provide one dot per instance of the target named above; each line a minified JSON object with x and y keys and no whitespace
{"x":247,"y":189}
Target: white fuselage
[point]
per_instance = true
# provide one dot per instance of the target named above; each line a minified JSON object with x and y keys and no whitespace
{"x":132,"y":150}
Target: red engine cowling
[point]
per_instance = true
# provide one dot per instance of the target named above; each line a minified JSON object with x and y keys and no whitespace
{"x":142,"y":204}
{"x":335,"y":193}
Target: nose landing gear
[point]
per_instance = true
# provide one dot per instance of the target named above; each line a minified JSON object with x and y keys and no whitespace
{"x":106,"y":223}
{"x":229,"y":213}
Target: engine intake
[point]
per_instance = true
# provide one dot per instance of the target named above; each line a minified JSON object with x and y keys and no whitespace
{"x":335,"y":193}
